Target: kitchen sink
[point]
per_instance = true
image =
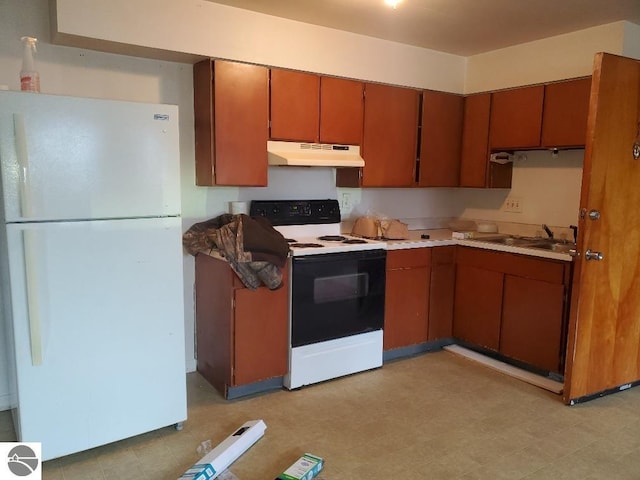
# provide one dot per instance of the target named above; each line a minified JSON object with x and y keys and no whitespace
{"x":554,"y":246}
{"x":511,"y":241}
{"x":549,"y":244}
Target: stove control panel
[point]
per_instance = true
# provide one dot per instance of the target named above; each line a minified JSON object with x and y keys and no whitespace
{"x":296,"y":212}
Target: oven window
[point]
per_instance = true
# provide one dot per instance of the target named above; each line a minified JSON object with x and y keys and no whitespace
{"x":340,"y":287}
{"x":336,"y":295}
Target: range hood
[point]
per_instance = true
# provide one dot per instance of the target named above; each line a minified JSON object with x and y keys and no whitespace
{"x":313,"y":154}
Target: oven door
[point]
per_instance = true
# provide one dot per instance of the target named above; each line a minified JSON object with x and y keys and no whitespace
{"x":336,"y":295}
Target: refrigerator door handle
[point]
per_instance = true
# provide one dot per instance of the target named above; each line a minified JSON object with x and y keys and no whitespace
{"x":22,"y":154}
{"x":33,"y":300}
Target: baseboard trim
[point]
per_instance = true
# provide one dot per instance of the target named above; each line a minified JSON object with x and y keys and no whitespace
{"x":520,"y":374}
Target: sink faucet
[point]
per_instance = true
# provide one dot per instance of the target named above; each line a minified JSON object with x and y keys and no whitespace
{"x":547,"y":230}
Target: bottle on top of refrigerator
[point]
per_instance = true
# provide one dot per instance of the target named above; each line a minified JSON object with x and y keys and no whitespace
{"x":29,"y":77}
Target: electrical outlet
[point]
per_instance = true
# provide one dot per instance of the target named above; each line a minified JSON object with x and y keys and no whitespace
{"x":346,"y":202}
{"x":512,"y":204}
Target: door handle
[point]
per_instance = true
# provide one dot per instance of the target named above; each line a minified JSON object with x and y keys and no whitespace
{"x":591,"y":255}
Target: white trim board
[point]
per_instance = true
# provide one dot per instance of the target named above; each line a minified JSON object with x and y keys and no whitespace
{"x":532,"y":378}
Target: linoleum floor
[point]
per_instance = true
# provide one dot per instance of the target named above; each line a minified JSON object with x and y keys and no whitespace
{"x":434,"y":416}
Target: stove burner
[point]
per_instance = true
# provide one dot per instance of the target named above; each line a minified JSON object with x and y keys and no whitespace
{"x":354,"y":240}
{"x":306,"y":245}
{"x":332,"y":238}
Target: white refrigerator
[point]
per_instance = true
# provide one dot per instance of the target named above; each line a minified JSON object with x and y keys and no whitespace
{"x":91,"y":257}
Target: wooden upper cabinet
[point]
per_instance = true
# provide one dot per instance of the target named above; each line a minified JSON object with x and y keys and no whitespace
{"x":231,"y":107}
{"x":311,"y":108}
{"x":295,"y":106}
{"x":516,"y":118}
{"x":441,"y":131}
{"x":566,"y":106}
{"x":341,"y":111}
{"x":389,"y":144}
{"x":475,"y":140}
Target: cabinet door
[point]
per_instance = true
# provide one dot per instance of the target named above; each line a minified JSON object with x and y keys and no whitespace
{"x":406,"y":297}
{"x":341,"y":111}
{"x":441,"y":292}
{"x":475,"y":141}
{"x":260,"y":335}
{"x":532,"y":322}
{"x":440,"y":144}
{"x":406,"y":307}
{"x":241,"y":116}
{"x":478,"y":306}
{"x":516,"y":118}
{"x":566,"y":105}
{"x":295,"y":106}
{"x":390,"y":136}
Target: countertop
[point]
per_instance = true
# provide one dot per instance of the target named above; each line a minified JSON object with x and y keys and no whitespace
{"x":442,"y":236}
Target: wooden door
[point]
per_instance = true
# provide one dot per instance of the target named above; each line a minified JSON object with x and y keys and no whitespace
{"x":516,"y":118}
{"x":566,"y":106}
{"x":295,"y":106}
{"x":341,"y":111}
{"x":241,"y":104}
{"x":441,"y":136}
{"x":390,"y":136}
{"x":603,"y":353}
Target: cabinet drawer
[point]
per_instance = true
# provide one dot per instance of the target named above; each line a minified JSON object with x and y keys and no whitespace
{"x":408,"y":258}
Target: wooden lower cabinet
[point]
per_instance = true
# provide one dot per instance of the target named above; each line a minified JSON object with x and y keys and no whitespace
{"x":407,"y":297}
{"x":513,"y":304}
{"x":441,"y":292}
{"x":532,"y":326}
{"x":242,"y":334}
{"x":478,"y":305}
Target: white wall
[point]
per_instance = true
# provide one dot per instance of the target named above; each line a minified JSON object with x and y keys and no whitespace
{"x":555,"y":58}
{"x":212,"y":30}
{"x":547,"y":187}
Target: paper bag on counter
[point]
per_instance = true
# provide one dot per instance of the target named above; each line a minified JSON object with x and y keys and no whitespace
{"x":366,"y":227}
{"x":394,"y":230}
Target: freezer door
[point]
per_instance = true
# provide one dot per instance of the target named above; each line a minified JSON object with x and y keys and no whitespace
{"x":98,"y":323}
{"x":66,"y":158}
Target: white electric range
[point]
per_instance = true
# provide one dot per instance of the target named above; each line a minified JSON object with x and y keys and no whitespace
{"x":337,"y":286}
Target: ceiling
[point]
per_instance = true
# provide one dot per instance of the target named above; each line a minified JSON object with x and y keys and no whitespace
{"x":460,"y":27}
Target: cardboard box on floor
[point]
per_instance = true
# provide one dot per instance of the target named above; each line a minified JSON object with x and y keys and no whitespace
{"x":217,"y":460}
{"x":305,"y":468}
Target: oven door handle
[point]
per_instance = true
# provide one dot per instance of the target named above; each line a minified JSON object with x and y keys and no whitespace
{"x":341,"y":256}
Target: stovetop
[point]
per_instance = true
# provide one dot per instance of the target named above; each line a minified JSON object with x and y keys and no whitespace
{"x":312,"y":227}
